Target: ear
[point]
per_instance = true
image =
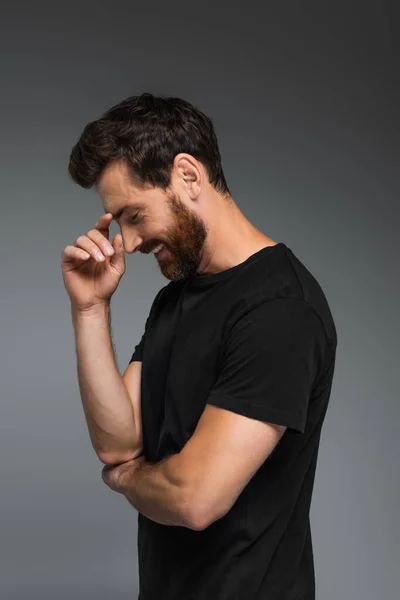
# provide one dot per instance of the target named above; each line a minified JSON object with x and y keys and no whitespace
{"x":189,"y":173}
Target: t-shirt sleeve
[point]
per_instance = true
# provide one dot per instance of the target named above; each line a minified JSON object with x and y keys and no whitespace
{"x":138,"y":351}
{"x":271,"y":358}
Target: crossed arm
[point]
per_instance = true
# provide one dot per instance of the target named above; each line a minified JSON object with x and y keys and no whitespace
{"x":271,"y":363}
{"x":201,"y":483}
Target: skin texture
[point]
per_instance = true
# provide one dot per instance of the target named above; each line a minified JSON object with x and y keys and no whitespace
{"x":204,"y":232}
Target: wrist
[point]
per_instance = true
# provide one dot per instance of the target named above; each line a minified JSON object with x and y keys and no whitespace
{"x":130,"y":471}
{"x":90,"y":311}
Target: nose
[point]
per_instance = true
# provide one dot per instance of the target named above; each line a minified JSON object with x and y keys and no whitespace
{"x":131,"y":249}
{"x":130,"y":246}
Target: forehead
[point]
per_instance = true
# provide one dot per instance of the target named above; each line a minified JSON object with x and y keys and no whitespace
{"x":117,"y":180}
{"x":114,"y":180}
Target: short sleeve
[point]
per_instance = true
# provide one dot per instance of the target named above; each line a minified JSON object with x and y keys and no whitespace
{"x":138,"y":351}
{"x":271,"y":358}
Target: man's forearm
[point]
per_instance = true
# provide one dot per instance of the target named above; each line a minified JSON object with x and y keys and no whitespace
{"x":106,"y":402}
{"x":158,"y":491}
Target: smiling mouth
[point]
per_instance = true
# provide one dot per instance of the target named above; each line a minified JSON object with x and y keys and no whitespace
{"x":164,"y":252}
{"x":149,"y":250}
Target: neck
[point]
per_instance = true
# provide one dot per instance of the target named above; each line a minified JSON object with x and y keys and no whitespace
{"x":231,"y":239}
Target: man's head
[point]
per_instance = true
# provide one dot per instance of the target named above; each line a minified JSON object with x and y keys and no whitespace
{"x":159,"y":157}
{"x":151,"y":217}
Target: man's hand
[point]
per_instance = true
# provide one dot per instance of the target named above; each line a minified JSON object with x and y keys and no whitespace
{"x":92,"y":268}
{"x":155,"y":490}
{"x":115,"y":476}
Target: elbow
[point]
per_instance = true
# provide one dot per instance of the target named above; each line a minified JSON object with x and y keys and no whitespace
{"x":204,"y":506}
{"x":198,"y":517}
{"x":196,"y":520}
{"x":117,"y":458}
{"x":196,"y":524}
{"x":190,"y":518}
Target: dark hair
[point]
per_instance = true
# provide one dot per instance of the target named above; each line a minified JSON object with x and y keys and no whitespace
{"x":147,"y":132}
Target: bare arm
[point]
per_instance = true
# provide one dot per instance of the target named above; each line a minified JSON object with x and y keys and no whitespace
{"x":112,"y":412}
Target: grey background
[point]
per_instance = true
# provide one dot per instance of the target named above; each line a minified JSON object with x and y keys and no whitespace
{"x":305,"y":101}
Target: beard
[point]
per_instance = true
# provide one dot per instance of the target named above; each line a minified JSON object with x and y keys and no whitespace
{"x":186,"y":239}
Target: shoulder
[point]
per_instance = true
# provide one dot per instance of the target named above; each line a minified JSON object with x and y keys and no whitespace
{"x":274,"y":314}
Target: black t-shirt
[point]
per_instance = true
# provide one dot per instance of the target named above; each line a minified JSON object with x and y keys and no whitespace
{"x":257,"y":339}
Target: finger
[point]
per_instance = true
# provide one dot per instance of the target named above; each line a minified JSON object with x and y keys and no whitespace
{"x":72,"y":254}
{"x":102,"y":242}
{"x":119,"y":255}
{"x":85,"y":243}
{"x":103,"y":224}
{"x":118,"y":243}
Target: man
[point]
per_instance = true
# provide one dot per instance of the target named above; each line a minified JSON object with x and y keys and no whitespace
{"x":212,"y":433}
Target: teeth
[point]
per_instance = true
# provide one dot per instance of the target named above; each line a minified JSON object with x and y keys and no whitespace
{"x":158,"y":248}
